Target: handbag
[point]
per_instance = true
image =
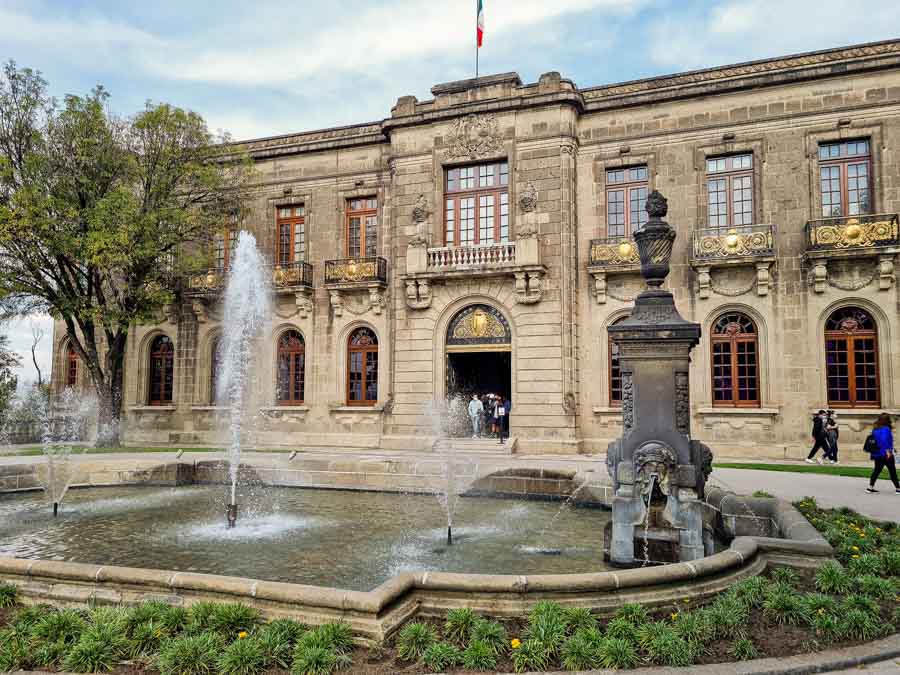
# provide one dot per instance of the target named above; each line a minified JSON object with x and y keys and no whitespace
{"x":871,"y":446}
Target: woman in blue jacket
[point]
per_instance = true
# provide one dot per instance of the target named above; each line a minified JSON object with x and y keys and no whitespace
{"x":885,"y":455}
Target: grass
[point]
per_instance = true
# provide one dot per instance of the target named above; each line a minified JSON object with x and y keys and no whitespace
{"x":824,"y":469}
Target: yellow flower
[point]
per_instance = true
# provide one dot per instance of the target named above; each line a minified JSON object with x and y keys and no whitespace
{"x":674,"y":615}
{"x":862,"y":535}
{"x":855,"y":556}
{"x":242,"y":635}
{"x":515,"y":643}
{"x":821,"y":610}
{"x":686,"y":601}
{"x":855,"y":548}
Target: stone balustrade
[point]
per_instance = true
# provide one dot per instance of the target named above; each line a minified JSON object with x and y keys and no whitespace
{"x":451,"y":258}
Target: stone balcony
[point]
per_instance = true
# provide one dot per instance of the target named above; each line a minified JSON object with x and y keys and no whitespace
{"x":717,"y":249}
{"x":356,"y":275}
{"x":519,"y":259}
{"x":849,"y":253}
{"x":609,"y":257}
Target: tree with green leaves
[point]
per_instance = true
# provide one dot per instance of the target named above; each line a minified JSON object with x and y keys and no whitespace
{"x":101,"y":215}
{"x":8,"y":380}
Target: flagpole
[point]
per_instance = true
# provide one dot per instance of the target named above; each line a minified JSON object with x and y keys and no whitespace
{"x":476,"y":39}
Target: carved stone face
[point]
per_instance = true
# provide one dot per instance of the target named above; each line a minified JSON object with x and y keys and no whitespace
{"x":653,"y":459}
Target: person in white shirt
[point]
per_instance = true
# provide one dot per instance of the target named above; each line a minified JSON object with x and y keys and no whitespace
{"x":476,"y":409}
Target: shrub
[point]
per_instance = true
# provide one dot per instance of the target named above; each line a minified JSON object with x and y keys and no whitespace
{"x":8,"y":594}
{"x":146,"y":638}
{"x":752,"y":591}
{"x":200,"y":617}
{"x":98,"y":649}
{"x":875,"y":587}
{"x":458,"y":624}
{"x":819,"y":603}
{"x":621,"y":628}
{"x":549,"y":630}
{"x":531,"y":656}
{"x":668,"y":649}
{"x":727,"y":617}
{"x":339,"y":634}
{"x":277,"y":640}
{"x":633,"y":613}
{"x":862,"y":603}
{"x":693,"y":627}
{"x":857,"y":624}
{"x":580,"y":651}
{"x":15,"y":653}
{"x":785,"y":575}
{"x":440,"y":656}
{"x":616,"y":653}
{"x":109,"y":616}
{"x":242,"y":657}
{"x":189,"y":655}
{"x":49,"y":654}
{"x":492,"y":634}
{"x":785,"y":606}
{"x":650,"y":631}
{"x":479,"y":656}
{"x":832,"y":578}
{"x":890,"y":562}
{"x":230,"y":618}
{"x":743,"y":649}
{"x":315,"y":661}
{"x":286,"y":630}
{"x":545,"y":608}
{"x":826,"y":626}
{"x":26,"y":617}
{"x":867,"y":563}
{"x":414,"y":639}
{"x":578,"y":618}
{"x":66,"y":626}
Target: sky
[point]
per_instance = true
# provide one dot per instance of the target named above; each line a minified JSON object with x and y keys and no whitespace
{"x":264,"y":68}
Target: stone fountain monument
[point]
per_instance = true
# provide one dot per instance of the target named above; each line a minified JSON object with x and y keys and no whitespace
{"x":658,"y":472}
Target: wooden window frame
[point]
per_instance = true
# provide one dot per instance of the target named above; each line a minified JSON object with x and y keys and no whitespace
{"x":291,"y":354}
{"x":167,"y":357}
{"x":228,"y":238}
{"x":498,"y":190}
{"x":362,"y":214}
{"x":614,"y":370}
{"x":626,"y":186}
{"x":850,"y":337}
{"x":364,"y":350}
{"x":729,"y":173}
{"x":71,"y":367}
{"x":291,"y":222}
{"x":843,"y":161}
{"x":733,"y":339}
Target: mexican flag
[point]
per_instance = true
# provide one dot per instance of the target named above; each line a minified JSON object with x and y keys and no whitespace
{"x":480,"y":28}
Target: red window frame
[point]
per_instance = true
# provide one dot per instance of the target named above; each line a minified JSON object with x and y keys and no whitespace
{"x":162,"y":370}
{"x":362,"y":368}
{"x":71,"y":367}
{"x":362,"y":235}
{"x":290,"y":234}
{"x":729,"y":191}
{"x":291,"y":369}
{"x":477,"y":196}
{"x":734,"y":350}
{"x":851,"y":359}
{"x":845,"y":174}
{"x":225,"y":242}
{"x":626,"y":197}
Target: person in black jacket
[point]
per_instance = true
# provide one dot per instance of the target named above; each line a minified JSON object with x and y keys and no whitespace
{"x":831,"y":436}
{"x":820,"y":439}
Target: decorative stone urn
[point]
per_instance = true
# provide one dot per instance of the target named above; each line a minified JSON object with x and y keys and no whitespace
{"x":658,"y":472}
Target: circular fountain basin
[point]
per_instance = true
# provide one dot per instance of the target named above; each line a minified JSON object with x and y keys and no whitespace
{"x":344,"y":539}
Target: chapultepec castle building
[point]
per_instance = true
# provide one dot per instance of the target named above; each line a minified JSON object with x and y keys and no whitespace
{"x":481,"y":241}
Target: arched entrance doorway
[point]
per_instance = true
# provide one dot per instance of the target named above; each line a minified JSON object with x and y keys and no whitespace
{"x":479,"y":344}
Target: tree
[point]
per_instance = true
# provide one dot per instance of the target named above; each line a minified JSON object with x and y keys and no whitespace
{"x":8,"y":380}
{"x":37,"y":334}
{"x":101,"y":215}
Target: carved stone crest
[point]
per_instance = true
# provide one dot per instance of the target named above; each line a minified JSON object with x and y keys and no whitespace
{"x":475,"y":136}
{"x":420,"y":210}
{"x":528,"y":199}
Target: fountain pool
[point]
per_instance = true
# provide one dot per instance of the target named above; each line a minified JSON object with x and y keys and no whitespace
{"x":352,"y":540}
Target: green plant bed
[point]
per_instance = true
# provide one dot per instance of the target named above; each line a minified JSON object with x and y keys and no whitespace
{"x":825,"y":469}
{"x":850,"y":600}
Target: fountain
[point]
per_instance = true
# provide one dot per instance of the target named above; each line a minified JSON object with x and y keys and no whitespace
{"x":245,"y":313}
{"x":658,"y":472}
{"x":447,"y":419}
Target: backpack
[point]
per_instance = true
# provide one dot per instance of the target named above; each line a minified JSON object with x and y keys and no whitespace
{"x":871,"y":445}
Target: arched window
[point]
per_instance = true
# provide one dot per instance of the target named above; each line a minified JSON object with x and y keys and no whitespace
{"x":615,"y":371}
{"x":71,"y":367}
{"x":851,"y":359}
{"x":215,"y":362}
{"x":735,"y":361}
{"x":162,"y":358}
{"x":362,"y":368}
{"x":291,"y":368}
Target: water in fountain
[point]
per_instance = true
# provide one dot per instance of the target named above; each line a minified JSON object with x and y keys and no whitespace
{"x":245,"y":314}
{"x":446,"y":419}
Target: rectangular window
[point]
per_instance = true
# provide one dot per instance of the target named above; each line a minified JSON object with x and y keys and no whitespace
{"x":729,"y":190}
{"x":476,"y":205}
{"x":224,"y":245}
{"x":362,"y":227}
{"x":845,"y":178}
{"x":626,"y":195}
{"x":291,"y":240}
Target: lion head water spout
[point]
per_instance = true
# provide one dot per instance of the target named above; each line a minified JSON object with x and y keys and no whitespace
{"x":245,"y":310}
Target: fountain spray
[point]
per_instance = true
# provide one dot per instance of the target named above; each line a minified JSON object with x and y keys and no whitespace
{"x":246,"y":309}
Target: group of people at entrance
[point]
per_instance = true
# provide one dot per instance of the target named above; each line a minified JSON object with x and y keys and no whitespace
{"x":825,"y":437}
{"x":490,"y":416}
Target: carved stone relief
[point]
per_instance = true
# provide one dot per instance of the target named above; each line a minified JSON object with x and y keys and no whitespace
{"x":627,"y":404}
{"x":528,"y":199}
{"x":475,"y":136}
{"x":682,"y":404}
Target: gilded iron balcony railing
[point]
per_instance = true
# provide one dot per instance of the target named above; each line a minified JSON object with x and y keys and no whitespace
{"x":614,"y":252}
{"x":207,"y":283}
{"x":853,"y":233}
{"x":733,"y":243}
{"x":356,"y":270}
{"x":292,"y":275}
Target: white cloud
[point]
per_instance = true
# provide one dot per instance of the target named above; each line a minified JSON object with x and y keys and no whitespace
{"x":21,"y":338}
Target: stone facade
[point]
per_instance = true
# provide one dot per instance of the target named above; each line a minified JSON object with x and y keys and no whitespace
{"x":557,"y":296}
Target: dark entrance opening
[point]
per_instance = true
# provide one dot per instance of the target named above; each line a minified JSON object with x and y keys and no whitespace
{"x":483,"y":372}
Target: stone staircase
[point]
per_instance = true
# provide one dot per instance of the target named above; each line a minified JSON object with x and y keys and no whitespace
{"x":483,"y":445}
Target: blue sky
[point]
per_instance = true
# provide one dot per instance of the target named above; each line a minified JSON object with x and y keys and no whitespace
{"x":262,"y":68}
